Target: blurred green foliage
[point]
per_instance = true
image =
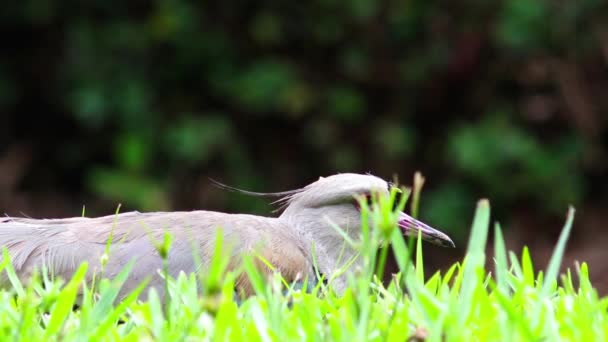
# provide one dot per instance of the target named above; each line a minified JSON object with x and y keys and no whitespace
{"x":507,"y":162}
{"x":146,"y":99}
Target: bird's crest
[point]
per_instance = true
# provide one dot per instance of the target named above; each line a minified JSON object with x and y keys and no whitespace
{"x":285,"y":197}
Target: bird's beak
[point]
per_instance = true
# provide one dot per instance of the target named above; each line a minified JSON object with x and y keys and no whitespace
{"x":410,"y":227}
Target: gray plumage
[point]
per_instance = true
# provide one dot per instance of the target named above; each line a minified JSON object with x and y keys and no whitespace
{"x":60,"y":245}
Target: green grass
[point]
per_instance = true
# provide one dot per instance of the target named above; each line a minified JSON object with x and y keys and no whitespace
{"x":466,"y":303}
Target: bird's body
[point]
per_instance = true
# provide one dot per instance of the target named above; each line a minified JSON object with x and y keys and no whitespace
{"x":287,"y":242}
{"x":62,"y":244}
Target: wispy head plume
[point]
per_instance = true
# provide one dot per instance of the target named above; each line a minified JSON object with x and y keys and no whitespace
{"x":285,"y":197}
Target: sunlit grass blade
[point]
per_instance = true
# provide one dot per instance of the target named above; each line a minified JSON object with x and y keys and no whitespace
{"x":109,"y":294}
{"x":218,"y":266}
{"x":558,"y":254}
{"x":514,"y":317}
{"x":417,"y":189}
{"x":256,"y":280}
{"x":10,"y":272}
{"x":500,"y":258}
{"x":65,"y":302}
{"x":527,"y":267}
{"x":419,"y":259}
{"x":400,"y":250}
{"x":475,"y":257}
{"x":110,"y":318}
{"x":515,"y":265}
{"x":554,"y":265}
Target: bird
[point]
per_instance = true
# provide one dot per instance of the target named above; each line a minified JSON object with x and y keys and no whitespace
{"x":300,"y":243}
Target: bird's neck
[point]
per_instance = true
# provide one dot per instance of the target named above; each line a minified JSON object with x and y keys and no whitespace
{"x":331,"y":254}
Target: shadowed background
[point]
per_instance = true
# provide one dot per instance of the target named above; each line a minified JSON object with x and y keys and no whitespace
{"x":140,"y":103}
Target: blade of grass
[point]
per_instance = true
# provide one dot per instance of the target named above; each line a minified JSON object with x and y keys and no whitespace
{"x":65,"y":302}
{"x":418,"y":183}
{"x":527,"y":267}
{"x":554,"y":265}
{"x":558,"y":254}
{"x":10,"y":272}
{"x":419,"y":259}
{"x":110,"y":293}
{"x":500,"y":258}
{"x":110,"y":318}
{"x":475,"y":258}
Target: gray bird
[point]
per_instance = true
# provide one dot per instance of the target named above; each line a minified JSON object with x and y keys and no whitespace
{"x":287,"y":241}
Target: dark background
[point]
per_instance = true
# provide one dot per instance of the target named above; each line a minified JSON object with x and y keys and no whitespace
{"x":140,"y":102}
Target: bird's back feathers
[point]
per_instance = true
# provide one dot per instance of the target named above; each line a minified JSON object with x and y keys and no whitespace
{"x":60,"y":245}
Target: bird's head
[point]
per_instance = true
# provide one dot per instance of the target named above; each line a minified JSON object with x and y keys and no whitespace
{"x":319,"y":210}
{"x":335,"y":200}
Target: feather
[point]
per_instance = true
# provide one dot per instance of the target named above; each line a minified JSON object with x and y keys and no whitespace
{"x":253,"y":193}
{"x":285,"y":196}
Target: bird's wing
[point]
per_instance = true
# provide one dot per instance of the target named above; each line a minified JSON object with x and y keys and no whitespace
{"x":61,"y":245}
{"x":270,"y":244}
{"x":277,"y":252}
